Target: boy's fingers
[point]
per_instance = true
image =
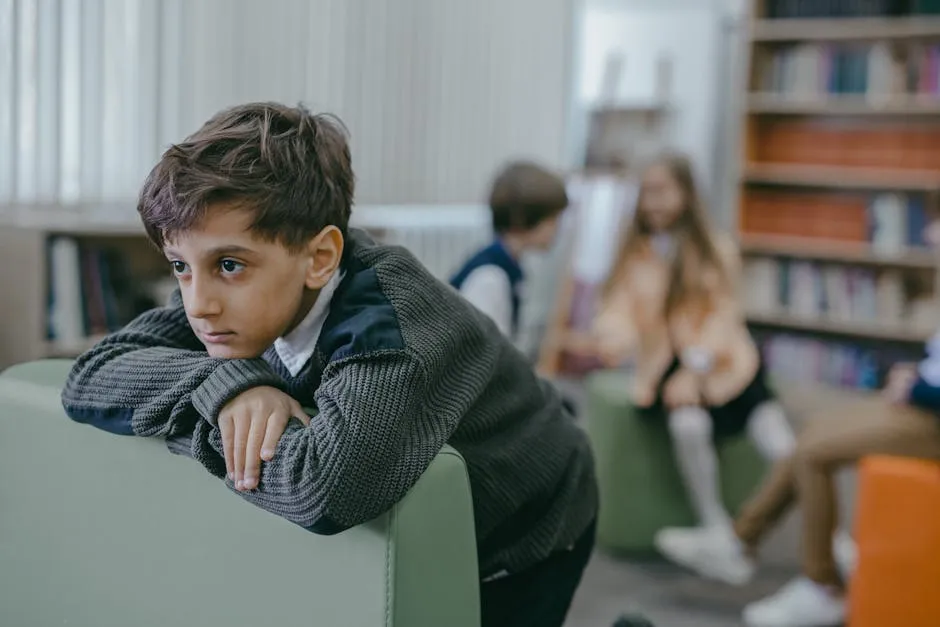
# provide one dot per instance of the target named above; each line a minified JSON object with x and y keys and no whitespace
{"x":298,"y":412}
{"x":256,"y":435}
{"x":242,"y":424}
{"x":273,"y":433}
{"x":228,"y":439}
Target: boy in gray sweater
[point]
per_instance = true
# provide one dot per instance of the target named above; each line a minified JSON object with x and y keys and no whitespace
{"x":281,"y":306}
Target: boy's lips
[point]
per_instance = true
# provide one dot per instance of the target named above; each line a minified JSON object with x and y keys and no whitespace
{"x":217,"y":337}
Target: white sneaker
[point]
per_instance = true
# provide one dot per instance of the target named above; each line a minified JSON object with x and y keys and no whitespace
{"x":845,"y":553}
{"x":712,"y":553}
{"x":800,"y":603}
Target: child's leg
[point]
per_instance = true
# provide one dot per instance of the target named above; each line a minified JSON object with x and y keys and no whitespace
{"x":772,"y":435}
{"x":541,"y":595}
{"x":691,"y":430}
{"x":768,"y":428}
{"x":869,"y":426}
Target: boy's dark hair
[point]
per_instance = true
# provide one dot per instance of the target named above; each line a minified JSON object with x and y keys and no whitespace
{"x":525,"y":194}
{"x":291,"y":168}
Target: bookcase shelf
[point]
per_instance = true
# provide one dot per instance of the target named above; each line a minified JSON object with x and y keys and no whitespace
{"x":837,"y":252}
{"x":839,"y":173}
{"x":843,"y":105}
{"x":845,"y":29}
{"x":849,"y":329}
{"x":823,"y":176}
{"x":116,"y":268}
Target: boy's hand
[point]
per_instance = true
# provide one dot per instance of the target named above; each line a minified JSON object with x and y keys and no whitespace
{"x":251,"y":425}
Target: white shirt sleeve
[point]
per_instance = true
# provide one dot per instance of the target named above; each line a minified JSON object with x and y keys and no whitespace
{"x":489,"y":290}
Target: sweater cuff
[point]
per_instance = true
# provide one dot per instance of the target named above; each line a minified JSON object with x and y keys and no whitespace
{"x":228,"y":380}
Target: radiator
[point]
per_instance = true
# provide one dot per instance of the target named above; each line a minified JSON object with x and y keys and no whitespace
{"x":440,"y":236}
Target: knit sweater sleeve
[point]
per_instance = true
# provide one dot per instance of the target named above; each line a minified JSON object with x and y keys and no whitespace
{"x":153,"y":377}
{"x":381,"y":420}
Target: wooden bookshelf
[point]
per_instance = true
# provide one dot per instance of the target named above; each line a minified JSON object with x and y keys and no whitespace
{"x":838,"y":175}
{"x":837,"y":252}
{"x":25,"y":269}
{"x":843,"y":105}
{"x":821,"y":176}
{"x":871,"y":330}
{"x":845,"y":29}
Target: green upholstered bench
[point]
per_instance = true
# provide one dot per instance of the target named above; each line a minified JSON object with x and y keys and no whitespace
{"x":640,"y":487}
{"x":99,"y":530}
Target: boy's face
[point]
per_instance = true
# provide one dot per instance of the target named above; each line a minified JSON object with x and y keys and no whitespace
{"x":241,"y":292}
{"x":542,"y":237}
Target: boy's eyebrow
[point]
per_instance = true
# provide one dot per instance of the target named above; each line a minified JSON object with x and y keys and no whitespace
{"x":229,"y":249}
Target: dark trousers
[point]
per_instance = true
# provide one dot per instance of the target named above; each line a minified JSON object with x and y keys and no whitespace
{"x":541,"y":595}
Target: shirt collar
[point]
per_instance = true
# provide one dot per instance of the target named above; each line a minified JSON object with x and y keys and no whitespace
{"x":296,"y":348}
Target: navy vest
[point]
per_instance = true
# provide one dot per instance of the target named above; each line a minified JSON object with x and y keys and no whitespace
{"x":496,"y":255}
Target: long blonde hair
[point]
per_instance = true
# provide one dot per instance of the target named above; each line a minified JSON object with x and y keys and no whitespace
{"x":696,"y":250}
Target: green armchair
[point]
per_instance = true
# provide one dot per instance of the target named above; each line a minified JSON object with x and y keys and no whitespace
{"x":99,"y":530}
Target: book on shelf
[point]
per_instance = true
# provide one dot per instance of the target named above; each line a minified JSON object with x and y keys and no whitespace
{"x":91,"y":291}
{"x":888,"y":223}
{"x":808,"y":359}
{"x":784,"y":9}
{"x":866,"y":301}
{"x":906,"y":147}
{"x":806,"y":290}
{"x":877,"y":70}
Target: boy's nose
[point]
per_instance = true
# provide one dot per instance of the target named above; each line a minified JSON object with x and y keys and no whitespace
{"x":202,"y":301}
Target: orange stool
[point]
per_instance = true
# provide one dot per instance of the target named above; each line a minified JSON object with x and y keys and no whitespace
{"x":897,"y":528}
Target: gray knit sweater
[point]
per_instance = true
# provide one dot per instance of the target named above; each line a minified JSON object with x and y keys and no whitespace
{"x":403,"y":365}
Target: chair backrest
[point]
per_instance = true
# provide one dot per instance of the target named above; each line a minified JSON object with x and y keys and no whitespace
{"x":99,"y":530}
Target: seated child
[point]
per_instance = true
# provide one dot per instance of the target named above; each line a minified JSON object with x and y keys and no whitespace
{"x":671,"y":304}
{"x":282,"y":306}
{"x":526,"y":201}
{"x":902,"y":420}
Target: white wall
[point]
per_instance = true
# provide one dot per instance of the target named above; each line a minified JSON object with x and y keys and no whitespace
{"x":687,"y":31}
{"x":436,"y":93}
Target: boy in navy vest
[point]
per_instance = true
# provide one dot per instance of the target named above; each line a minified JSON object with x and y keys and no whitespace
{"x":526,"y":201}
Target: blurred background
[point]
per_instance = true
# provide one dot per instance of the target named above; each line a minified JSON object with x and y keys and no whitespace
{"x":812,"y":127}
{"x":436,"y":95}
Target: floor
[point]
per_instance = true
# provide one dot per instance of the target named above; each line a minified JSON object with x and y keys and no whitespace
{"x":663,"y":593}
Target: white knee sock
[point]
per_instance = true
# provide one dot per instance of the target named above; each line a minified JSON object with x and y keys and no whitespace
{"x":691,"y":430}
{"x":768,"y":428}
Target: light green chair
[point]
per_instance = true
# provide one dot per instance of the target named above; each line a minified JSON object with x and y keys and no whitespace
{"x":640,"y":487}
{"x":100,"y":530}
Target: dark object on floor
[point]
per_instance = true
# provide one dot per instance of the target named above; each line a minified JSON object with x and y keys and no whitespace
{"x":633,"y":620}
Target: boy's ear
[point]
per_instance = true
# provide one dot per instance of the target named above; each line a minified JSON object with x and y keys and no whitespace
{"x":325,"y":251}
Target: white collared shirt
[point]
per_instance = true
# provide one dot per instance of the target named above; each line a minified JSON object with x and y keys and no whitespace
{"x":489,"y":290}
{"x":296,"y":348}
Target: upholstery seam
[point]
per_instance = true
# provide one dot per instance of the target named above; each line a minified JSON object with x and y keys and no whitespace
{"x":389,"y":568}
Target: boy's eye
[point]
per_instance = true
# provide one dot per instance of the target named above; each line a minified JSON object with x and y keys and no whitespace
{"x":179,"y":267}
{"x":230,"y":266}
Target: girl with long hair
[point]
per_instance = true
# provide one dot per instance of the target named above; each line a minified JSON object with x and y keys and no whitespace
{"x":670,"y":305}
